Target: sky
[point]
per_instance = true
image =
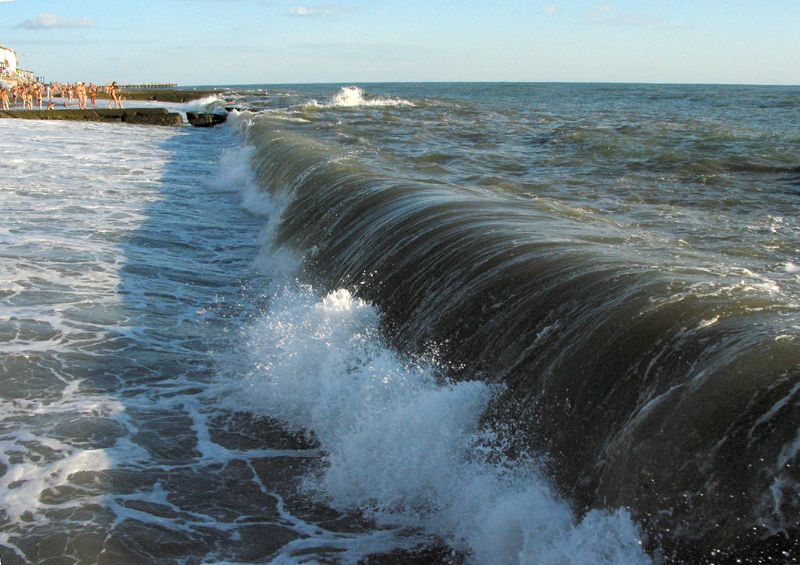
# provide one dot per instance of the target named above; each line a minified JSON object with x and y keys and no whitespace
{"x":235,"y":42}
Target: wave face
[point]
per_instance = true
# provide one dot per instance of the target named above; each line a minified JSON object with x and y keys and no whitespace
{"x":619,"y":261}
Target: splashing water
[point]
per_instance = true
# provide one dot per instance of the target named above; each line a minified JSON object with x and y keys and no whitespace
{"x":406,"y":449}
{"x":353,"y":96}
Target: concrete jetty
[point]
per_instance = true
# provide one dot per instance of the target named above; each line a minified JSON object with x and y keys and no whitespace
{"x":161,"y":94}
{"x":144,"y":116}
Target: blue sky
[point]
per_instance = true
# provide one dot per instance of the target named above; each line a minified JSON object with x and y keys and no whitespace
{"x":194,"y":42}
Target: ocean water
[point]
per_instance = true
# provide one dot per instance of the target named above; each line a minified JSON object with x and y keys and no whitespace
{"x":406,"y":323}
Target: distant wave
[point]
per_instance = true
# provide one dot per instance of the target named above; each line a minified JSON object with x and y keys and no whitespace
{"x":353,"y":97}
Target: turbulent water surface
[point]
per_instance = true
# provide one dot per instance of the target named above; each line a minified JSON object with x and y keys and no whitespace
{"x":478,"y":323}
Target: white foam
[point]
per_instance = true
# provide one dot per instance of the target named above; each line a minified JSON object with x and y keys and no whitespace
{"x":38,"y":462}
{"x":67,"y":304}
{"x":235,"y":174}
{"x":212,"y":103}
{"x":354,"y":97}
{"x":402,"y":447}
{"x":60,"y":267}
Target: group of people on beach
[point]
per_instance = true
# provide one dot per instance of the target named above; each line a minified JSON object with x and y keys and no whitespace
{"x":38,"y":92}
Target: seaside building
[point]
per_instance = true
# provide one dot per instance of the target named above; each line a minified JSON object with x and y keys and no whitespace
{"x":10,"y":71}
{"x":8,"y":62}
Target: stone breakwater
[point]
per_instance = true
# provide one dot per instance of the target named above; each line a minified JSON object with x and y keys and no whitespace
{"x":144,"y":116}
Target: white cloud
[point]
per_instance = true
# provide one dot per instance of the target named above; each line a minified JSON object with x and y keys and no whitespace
{"x":607,"y":15}
{"x":553,"y":10}
{"x":51,"y":21}
{"x":329,"y":12}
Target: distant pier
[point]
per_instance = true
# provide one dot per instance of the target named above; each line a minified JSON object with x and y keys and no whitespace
{"x":147,"y":86}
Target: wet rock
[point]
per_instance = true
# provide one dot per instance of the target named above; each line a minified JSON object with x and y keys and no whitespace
{"x":205,"y":119}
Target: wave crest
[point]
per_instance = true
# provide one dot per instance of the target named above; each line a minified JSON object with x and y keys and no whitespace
{"x":355,"y":97}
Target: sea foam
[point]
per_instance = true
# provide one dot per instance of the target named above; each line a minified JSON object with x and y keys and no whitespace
{"x":354,"y":97}
{"x":405,"y":447}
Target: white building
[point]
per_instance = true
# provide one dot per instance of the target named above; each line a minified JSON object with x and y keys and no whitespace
{"x":8,"y":61}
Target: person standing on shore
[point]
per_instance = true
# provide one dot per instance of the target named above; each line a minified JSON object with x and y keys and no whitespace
{"x":4,"y":98}
{"x":81,"y":90}
{"x":117,"y":96}
{"x":93,"y":93}
{"x":113,"y":92}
